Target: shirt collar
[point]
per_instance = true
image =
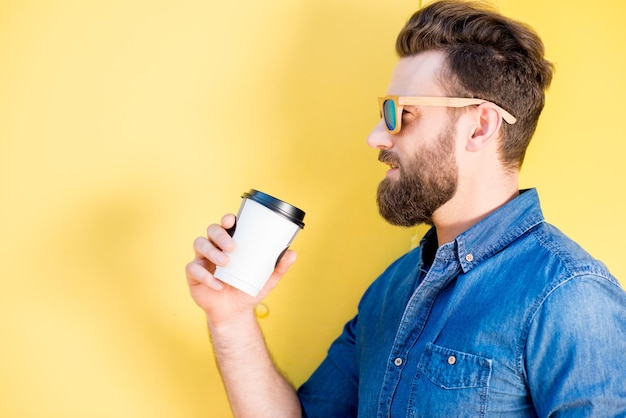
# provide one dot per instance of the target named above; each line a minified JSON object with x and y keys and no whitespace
{"x":493,"y":233}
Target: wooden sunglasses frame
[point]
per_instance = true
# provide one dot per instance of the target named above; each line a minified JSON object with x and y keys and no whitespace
{"x":400,"y":101}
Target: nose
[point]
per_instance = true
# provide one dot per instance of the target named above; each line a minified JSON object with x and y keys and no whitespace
{"x":379,"y":137}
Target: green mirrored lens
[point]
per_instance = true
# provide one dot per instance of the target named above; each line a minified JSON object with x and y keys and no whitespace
{"x":389,"y":114}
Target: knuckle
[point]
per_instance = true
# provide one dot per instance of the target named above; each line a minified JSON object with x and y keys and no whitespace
{"x":213,"y":229}
{"x":198,"y":242}
{"x":191,"y":270}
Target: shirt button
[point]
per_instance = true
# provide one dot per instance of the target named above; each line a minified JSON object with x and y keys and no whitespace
{"x":451,"y":360}
{"x":469,"y":258}
{"x":398,"y":361}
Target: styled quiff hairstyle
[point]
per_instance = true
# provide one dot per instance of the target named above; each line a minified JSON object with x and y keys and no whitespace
{"x":488,"y":56}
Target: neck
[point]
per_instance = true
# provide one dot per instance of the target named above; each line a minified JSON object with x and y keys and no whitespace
{"x":471,"y":205}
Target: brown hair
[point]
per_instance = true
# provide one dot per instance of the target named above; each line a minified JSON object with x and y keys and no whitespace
{"x":488,"y":56}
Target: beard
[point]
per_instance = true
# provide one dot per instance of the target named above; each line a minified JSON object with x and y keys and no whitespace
{"x":425,"y":183}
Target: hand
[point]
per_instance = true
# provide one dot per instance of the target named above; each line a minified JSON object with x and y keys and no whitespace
{"x":219,"y":300}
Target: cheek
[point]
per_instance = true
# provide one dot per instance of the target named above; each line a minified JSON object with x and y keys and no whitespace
{"x":409,"y":144}
{"x":459,"y":154}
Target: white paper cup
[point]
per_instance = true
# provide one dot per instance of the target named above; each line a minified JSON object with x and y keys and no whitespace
{"x":265,"y":228}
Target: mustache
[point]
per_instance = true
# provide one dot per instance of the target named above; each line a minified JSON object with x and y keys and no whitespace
{"x":388,"y":157}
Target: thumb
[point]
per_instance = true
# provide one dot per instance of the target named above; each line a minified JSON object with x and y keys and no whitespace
{"x":281,"y":268}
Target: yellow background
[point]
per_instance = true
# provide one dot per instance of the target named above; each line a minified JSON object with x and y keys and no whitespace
{"x":127,"y":126}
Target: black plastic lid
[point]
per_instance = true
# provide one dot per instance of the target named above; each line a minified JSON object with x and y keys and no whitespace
{"x":290,"y":212}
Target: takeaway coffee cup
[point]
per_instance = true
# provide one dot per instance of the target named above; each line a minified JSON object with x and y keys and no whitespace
{"x":265,"y":228}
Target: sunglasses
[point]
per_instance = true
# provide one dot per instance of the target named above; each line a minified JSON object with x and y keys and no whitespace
{"x":391,"y":107}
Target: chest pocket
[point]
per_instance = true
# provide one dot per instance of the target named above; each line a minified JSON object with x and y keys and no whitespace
{"x":450,"y":383}
{"x":451,"y":369}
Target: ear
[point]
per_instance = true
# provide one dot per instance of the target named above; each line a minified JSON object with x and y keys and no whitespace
{"x":487,"y":127}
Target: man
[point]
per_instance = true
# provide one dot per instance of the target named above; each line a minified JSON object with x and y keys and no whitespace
{"x":497,"y":313}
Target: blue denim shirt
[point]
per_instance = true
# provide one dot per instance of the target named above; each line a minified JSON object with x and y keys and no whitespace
{"x":511,"y":319}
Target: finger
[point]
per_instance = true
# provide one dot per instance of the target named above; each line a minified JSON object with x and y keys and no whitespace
{"x":281,"y":268}
{"x":288,"y":258}
{"x":205,"y":250}
{"x":198,"y":275}
{"x":220,"y":238}
{"x":228,"y":220}
{"x":229,"y":223}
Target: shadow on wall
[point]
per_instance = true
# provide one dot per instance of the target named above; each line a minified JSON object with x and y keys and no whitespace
{"x":115,"y":321}
{"x":125,"y":325}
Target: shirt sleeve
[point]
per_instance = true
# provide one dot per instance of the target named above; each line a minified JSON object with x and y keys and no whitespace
{"x":332,"y":390}
{"x":575,"y":350}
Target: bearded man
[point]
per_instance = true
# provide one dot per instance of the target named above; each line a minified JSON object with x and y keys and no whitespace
{"x":496,"y":313}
